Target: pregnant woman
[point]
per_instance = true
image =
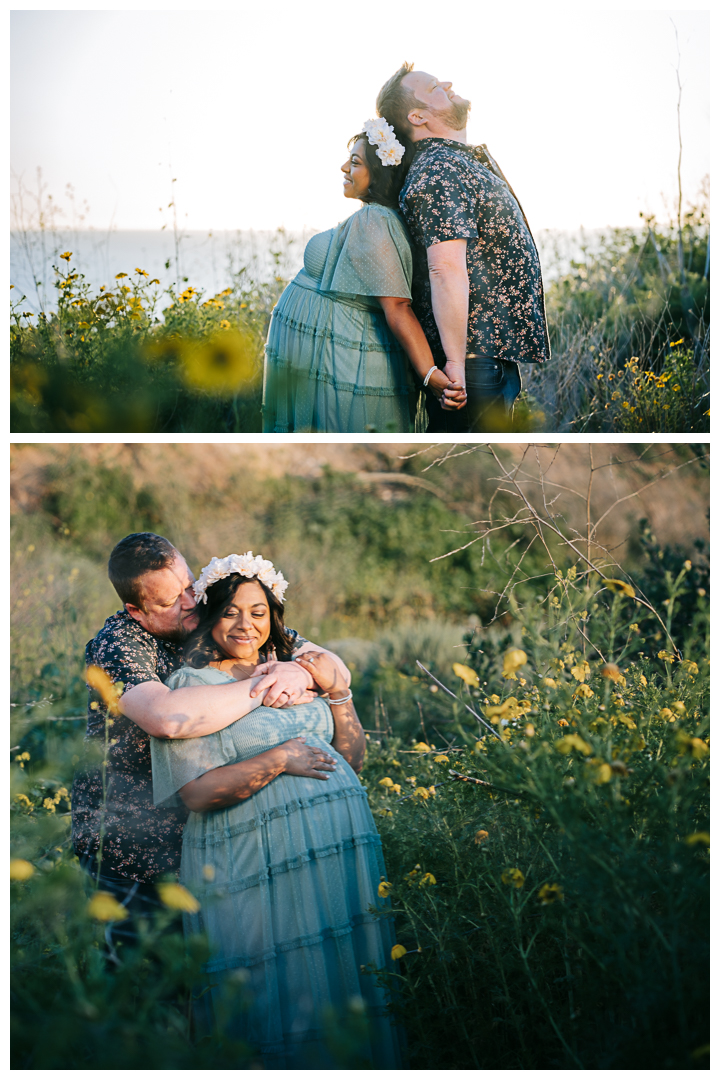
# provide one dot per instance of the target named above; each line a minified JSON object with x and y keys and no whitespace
{"x":342,"y":333}
{"x":284,"y":874}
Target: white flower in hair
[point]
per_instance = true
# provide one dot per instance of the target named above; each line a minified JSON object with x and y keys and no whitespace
{"x":382,"y":135}
{"x":248,"y":565}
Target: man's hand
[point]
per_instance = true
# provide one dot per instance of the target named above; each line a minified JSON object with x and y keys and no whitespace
{"x":454,"y":396}
{"x":325,"y":672}
{"x":283,"y":684}
{"x":302,"y":760}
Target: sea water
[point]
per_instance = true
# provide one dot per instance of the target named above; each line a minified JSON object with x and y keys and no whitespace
{"x":208,"y":261}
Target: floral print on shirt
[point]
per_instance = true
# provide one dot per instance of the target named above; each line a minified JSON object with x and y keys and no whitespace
{"x":451,"y":193}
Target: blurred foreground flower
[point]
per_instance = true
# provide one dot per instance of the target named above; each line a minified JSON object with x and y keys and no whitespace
{"x":384,"y":888}
{"x":21,"y":869}
{"x":513,"y":660}
{"x":397,"y":952}
{"x":224,"y":364}
{"x":620,"y":587}
{"x":698,"y":838}
{"x":481,"y":836}
{"x":177,"y":897}
{"x":513,"y":876}
{"x":104,"y":907}
{"x":611,"y":671}
{"x":466,"y":674}
{"x":550,"y":893}
{"x":109,"y":691}
{"x":572,"y":742}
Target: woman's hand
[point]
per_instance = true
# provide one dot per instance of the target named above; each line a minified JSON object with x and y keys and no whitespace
{"x":324,"y":671}
{"x":302,"y":760}
{"x":283,"y":684}
{"x":451,"y":395}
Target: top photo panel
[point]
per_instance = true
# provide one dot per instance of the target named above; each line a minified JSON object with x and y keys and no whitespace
{"x":224,"y":222}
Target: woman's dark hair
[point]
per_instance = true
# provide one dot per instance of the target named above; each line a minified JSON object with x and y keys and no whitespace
{"x":200,"y":648}
{"x":385,"y":180}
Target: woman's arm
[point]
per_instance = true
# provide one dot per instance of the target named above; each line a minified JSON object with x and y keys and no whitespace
{"x":404,"y":324}
{"x":349,"y":739}
{"x":230,"y":784}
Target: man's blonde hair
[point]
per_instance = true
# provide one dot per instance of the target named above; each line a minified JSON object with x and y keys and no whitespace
{"x":395,"y":101}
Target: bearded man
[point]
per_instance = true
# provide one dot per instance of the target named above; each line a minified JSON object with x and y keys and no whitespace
{"x":477,"y":283}
{"x":121,"y":837}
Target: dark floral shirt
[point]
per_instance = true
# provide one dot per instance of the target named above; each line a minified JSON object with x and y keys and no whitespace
{"x":140,"y":840}
{"x":452,"y":192}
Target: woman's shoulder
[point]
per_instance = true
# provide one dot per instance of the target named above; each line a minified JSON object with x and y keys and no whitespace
{"x":191,"y":676}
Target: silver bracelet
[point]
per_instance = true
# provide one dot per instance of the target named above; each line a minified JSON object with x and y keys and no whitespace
{"x":341,"y":700}
{"x":427,"y":377}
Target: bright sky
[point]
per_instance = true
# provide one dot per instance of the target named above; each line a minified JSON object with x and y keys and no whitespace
{"x":250,"y":109}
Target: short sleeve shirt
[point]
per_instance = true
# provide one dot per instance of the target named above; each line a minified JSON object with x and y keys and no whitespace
{"x":451,"y":194}
{"x":139,"y":840}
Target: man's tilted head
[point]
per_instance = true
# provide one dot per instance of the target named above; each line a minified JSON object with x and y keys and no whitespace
{"x":155,"y":584}
{"x":419,"y":106}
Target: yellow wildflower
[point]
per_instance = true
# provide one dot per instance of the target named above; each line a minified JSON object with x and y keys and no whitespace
{"x":548,"y":894}
{"x":397,"y":952}
{"x":67,"y":255}
{"x":698,"y":838}
{"x":384,"y":888}
{"x":513,"y":660}
{"x":397,"y":789}
{"x":441,"y":759}
{"x":562,"y":722}
{"x":119,"y":276}
{"x":549,"y":682}
{"x":679,"y":707}
{"x":620,"y":587}
{"x":385,"y":782}
{"x":580,"y":671}
{"x":584,"y":691}
{"x":48,"y":804}
{"x":481,"y":836}
{"x":422,"y":747}
{"x":224,"y":324}
{"x":143,"y":273}
{"x":690,"y":667}
{"x":421,"y":793}
{"x":110,"y":692}
{"x":466,"y":674}
{"x":428,"y":879}
{"x":177,"y":897}
{"x":572,"y":742}
{"x":224,"y":364}
{"x":21,"y":869}
{"x":23,"y":800}
{"x":689,"y":745}
{"x":529,"y":730}
{"x":665,"y":655}
{"x":603,"y":774}
{"x":513,"y":876}
{"x":105,"y":908}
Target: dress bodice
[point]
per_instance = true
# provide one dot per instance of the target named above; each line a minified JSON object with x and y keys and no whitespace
{"x":316,"y":252}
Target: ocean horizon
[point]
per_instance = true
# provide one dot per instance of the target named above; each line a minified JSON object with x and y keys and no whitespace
{"x":210,"y":261}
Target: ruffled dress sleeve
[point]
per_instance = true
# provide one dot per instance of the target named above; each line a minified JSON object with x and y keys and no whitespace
{"x":175,"y":762}
{"x":369,"y":255}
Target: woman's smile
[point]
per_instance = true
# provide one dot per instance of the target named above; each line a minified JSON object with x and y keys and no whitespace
{"x":244,"y":626}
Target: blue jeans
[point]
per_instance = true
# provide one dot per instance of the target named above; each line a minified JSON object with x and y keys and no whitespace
{"x":492,"y":387}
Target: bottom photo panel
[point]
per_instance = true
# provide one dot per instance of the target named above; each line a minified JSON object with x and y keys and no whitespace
{"x":360,"y":756}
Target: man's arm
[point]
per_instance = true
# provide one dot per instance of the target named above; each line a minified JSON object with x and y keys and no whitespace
{"x":191,"y":711}
{"x":230,"y":784}
{"x":450,"y":290}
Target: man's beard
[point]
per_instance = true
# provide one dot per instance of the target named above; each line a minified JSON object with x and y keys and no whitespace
{"x":455,"y":116}
{"x":178,"y":636}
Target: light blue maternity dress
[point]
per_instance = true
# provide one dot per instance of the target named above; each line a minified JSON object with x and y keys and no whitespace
{"x":295,"y":868}
{"x":331,"y":361}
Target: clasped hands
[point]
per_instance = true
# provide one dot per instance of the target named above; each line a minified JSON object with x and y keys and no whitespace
{"x":291,"y":683}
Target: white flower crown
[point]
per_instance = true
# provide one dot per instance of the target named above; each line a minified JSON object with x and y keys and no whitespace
{"x":248,"y":565}
{"x":382,"y":135}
